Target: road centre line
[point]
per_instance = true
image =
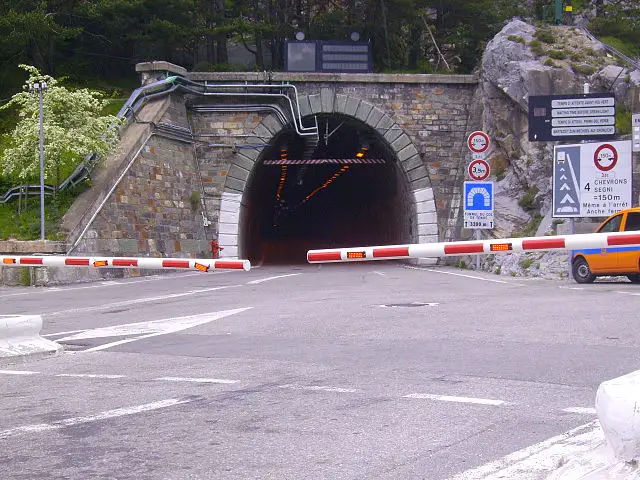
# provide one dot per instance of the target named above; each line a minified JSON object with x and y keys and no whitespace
{"x":318,"y":388}
{"x":73,"y":421}
{"x":449,"y":398}
{"x":18,"y":372}
{"x":539,"y":460}
{"x":197,"y":380}
{"x":261,"y":280}
{"x":89,"y":375}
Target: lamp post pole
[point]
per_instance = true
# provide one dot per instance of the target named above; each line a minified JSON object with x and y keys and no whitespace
{"x":41,"y":87}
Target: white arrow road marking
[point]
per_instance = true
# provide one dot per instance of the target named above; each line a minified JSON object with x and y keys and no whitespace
{"x":70,"y":422}
{"x":149,"y":329}
{"x":563,"y":177}
{"x":136,"y":301}
{"x":539,"y":460}
{"x":260,"y":280}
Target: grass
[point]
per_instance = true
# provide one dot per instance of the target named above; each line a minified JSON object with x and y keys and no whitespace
{"x":26,"y":226}
{"x":630,"y":49}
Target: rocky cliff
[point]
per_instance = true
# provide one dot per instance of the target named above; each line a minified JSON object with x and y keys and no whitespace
{"x":522,"y":60}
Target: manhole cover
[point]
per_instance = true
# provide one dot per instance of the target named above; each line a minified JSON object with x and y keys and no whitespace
{"x":409,"y":305}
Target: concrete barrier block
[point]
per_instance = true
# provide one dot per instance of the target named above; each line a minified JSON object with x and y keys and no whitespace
{"x":617,"y":406}
{"x":20,"y":336}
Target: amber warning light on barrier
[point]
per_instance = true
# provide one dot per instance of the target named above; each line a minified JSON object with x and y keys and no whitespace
{"x":500,"y":247}
{"x":100,"y":263}
{"x":201,"y":267}
{"x":8,"y":261}
{"x":356,"y":255}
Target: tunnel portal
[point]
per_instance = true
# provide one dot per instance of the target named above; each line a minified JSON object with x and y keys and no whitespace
{"x":346,"y":190}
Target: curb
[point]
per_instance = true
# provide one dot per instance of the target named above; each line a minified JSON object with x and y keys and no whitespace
{"x":20,"y":337}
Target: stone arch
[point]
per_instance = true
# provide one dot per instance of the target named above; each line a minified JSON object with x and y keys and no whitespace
{"x":328,"y":102}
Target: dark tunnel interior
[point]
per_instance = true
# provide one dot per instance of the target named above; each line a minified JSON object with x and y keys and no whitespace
{"x":296,"y":201}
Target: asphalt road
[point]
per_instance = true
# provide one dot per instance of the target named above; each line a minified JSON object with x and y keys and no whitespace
{"x":360,"y":371}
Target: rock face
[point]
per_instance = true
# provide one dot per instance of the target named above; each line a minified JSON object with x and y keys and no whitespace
{"x":523,"y":60}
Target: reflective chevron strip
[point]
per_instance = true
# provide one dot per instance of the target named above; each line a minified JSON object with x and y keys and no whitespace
{"x":201,"y":264}
{"x":326,"y":161}
{"x":502,"y":245}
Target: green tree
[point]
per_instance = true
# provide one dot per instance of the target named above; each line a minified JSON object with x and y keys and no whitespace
{"x":73,"y":128}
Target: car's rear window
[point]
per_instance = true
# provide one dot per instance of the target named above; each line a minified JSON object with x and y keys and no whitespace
{"x":633,"y":221}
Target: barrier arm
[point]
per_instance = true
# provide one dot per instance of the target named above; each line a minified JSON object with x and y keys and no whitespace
{"x":474,"y":247}
{"x":200,"y":264}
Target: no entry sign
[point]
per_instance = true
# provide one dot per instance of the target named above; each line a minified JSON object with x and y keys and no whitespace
{"x":479,"y":170}
{"x":478,"y":142}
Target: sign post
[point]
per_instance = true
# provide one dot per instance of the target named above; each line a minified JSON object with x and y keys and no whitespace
{"x":478,"y":170}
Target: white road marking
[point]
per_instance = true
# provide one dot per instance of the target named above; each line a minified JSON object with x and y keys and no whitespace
{"x":572,"y":288}
{"x":484,"y":279}
{"x":539,"y":460}
{"x":70,"y":422}
{"x":318,"y":388}
{"x":136,"y":301}
{"x":89,"y":375}
{"x":18,"y":372}
{"x":449,"y":398}
{"x":580,"y":410}
{"x":418,"y":304}
{"x":260,"y":280}
{"x":197,"y":380}
{"x":149,"y":329}
{"x":57,"y":334}
{"x":378,"y":273}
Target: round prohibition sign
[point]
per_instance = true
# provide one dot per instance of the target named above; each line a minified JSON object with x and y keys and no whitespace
{"x":478,"y":142}
{"x":605,"y":157}
{"x":479,"y":169}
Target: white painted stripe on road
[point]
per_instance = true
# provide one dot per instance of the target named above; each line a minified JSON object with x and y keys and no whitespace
{"x":136,"y":301}
{"x":378,"y":273}
{"x":89,"y":375}
{"x":539,"y":460}
{"x":260,"y":280}
{"x":197,"y":380}
{"x":18,"y":372}
{"x":319,"y":388}
{"x":70,"y":422}
{"x":450,"y":398}
{"x":69,"y":332}
{"x":580,"y":410}
{"x":474,"y":277}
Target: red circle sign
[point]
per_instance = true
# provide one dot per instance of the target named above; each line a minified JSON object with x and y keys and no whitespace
{"x":478,"y":142}
{"x":605,"y":157}
{"x":479,"y":170}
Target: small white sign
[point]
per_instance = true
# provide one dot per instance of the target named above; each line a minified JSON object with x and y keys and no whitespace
{"x":635,"y":125}
{"x":582,"y":102}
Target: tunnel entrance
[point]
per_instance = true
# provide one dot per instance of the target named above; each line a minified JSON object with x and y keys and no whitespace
{"x":347,"y":190}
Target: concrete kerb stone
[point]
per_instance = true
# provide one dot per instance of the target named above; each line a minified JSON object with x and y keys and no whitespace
{"x":20,"y":337}
{"x":617,"y":456}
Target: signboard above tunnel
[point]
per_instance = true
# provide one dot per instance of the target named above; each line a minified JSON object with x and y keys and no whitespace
{"x":328,"y":56}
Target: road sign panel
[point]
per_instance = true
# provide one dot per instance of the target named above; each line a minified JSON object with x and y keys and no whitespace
{"x":478,"y":142}
{"x":478,"y":205}
{"x":479,"y":169}
{"x":591,"y":179}
{"x":572,"y":117}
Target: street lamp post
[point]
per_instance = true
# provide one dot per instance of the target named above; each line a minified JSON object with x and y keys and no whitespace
{"x":40,"y":87}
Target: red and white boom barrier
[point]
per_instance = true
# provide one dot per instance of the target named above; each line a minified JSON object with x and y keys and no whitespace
{"x":201,"y":264}
{"x":474,"y":247}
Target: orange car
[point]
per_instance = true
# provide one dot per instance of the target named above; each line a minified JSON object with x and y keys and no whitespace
{"x":589,"y":263}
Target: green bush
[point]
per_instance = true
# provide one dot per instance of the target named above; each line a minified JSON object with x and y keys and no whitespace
{"x":536,"y":47}
{"x":623,"y":120}
{"x":545,"y":36}
{"x":532,"y":227}
{"x":582,"y":68}
{"x":526,"y":262}
{"x":528,"y":200}
{"x":516,"y":38}
{"x":557,"y":54}
{"x":549,"y":63}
